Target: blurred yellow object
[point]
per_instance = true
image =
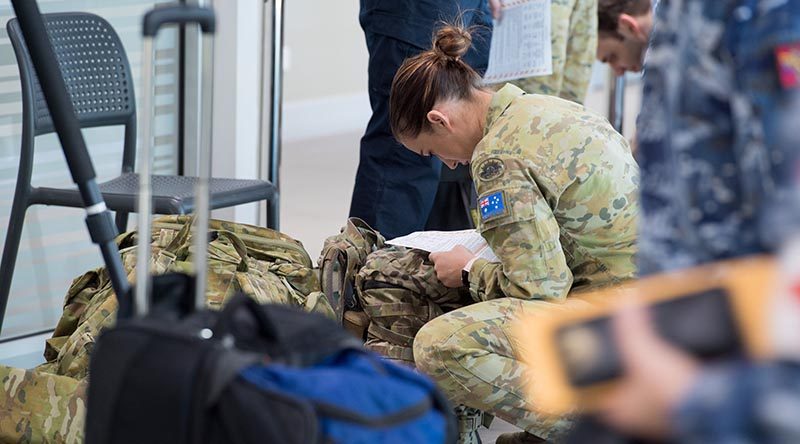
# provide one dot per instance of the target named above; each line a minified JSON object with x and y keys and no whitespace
{"x":748,"y":284}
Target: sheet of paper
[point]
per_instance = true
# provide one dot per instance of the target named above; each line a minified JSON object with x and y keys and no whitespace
{"x":433,"y":241}
{"x":521,"y":45}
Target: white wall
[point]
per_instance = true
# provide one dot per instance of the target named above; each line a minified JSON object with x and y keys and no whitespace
{"x":328,"y":55}
{"x":325,"y":69}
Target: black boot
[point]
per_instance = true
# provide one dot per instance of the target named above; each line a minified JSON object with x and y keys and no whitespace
{"x":469,"y":420}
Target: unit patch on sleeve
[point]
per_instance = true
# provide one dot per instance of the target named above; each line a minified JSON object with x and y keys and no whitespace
{"x":787,"y":57}
{"x":492,"y":205}
{"x":490,"y":169}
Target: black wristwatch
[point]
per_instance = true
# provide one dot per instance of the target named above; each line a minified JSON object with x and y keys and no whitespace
{"x":465,"y":278}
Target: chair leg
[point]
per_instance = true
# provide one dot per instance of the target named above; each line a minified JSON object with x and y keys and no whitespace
{"x":122,"y":222}
{"x":10,"y":250}
{"x":273,"y":216}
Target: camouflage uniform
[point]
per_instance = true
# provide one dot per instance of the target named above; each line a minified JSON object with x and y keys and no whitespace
{"x":718,"y":131}
{"x":566,"y":185}
{"x":558,"y":199}
{"x":573,"y":31}
{"x":47,"y":404}
{"x":718,"y":143}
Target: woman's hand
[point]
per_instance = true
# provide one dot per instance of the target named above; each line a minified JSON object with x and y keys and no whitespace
{"x":448,"y":265}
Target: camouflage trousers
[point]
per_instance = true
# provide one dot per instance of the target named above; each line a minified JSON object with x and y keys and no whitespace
{"x":468,"y":348}
{"x":472,"y":354}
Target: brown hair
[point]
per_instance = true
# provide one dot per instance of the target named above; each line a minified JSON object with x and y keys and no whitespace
{"x":608,"y":12}
{"x":434,"y":75}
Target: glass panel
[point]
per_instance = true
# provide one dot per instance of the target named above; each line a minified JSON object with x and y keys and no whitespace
{"x":55,"y":246}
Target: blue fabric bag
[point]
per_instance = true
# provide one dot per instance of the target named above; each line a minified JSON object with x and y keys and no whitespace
{"x":360,"y":398}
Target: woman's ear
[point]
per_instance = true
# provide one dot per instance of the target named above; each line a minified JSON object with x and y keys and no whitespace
{"x":439,"y":120}
{"x":629,"y":27}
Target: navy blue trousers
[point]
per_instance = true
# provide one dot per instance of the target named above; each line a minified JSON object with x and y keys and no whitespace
{"x":395,"y":189}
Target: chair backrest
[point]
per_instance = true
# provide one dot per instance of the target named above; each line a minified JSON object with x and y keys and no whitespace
{"x":95,"y":68}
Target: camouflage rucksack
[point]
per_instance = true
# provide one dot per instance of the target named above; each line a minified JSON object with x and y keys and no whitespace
{"x":267,"y":265}
{"x":399,"y":292}
{"x":342,"y":257}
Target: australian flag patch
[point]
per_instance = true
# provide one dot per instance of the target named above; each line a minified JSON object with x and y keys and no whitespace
{"x":492,"y":205}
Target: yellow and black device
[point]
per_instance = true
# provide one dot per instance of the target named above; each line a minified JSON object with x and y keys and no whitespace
{"x":712,"y":311}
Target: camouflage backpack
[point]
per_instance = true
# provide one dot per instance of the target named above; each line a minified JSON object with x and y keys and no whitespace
{"x":342,"y":257}
{"x":399,"y":292}
{"x":47,"y":404}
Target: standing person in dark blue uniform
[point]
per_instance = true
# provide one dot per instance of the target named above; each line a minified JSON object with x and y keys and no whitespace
{"x":395,"y":188}
{"x":719,"y":150}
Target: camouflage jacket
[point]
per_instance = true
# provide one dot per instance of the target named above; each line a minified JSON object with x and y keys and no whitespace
{"x":47,"y":404}
{"x":557,"y":191}
{"x":573,"y":36}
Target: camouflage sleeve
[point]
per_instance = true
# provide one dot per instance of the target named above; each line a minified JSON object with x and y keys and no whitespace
{"x":581,"y":49}
{"x":523,"y":232}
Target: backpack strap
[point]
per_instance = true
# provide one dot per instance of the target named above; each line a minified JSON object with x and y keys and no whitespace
{"x":341,"y":258}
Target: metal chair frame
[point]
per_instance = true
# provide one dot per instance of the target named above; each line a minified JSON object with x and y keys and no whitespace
{"x":95,"y":67}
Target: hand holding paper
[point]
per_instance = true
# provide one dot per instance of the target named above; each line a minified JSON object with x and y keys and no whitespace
{"x":449,"y":265}
{"x":438,"y":241}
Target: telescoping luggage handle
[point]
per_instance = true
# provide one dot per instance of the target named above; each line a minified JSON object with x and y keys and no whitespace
{"x":98,"y":219}
{"x":152,"y":22}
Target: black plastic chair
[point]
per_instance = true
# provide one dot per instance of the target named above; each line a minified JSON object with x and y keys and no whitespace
{"x":98,"y":76}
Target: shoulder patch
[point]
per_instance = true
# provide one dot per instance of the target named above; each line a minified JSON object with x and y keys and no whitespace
{"x":787,"y":57}
{"x":492,"y":205}
{"x":490,"y":169}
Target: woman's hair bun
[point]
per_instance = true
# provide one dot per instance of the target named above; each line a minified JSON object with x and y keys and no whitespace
{"x":452,"y":41}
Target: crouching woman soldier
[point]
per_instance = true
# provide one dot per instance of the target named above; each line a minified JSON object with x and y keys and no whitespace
{"x":557,"y":191}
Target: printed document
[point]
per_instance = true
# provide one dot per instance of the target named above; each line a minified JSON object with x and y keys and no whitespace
{"x":521,"y":45}
{"x":435,"y":241}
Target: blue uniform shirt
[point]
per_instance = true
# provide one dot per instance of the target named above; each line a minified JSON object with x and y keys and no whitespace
{"x":719,"y":136}
{"x":719,"y":131}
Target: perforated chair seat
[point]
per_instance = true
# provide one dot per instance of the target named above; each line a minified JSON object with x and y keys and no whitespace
{"x":171,"y":194}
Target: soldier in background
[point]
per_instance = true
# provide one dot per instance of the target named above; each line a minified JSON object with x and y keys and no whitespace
{"x":573,"y":35}
{"x":624,"y":28}
{"x":719,"y":153}
{"x":558,"y":205}
{"x":717,"y":132}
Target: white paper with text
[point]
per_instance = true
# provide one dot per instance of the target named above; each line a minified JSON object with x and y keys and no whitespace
{"x":435,"y":241}
{"x":521,"y":45}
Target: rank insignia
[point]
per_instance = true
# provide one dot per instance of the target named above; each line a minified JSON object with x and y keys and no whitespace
{"x":787,"y":57}
{"x":490,"y":169}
